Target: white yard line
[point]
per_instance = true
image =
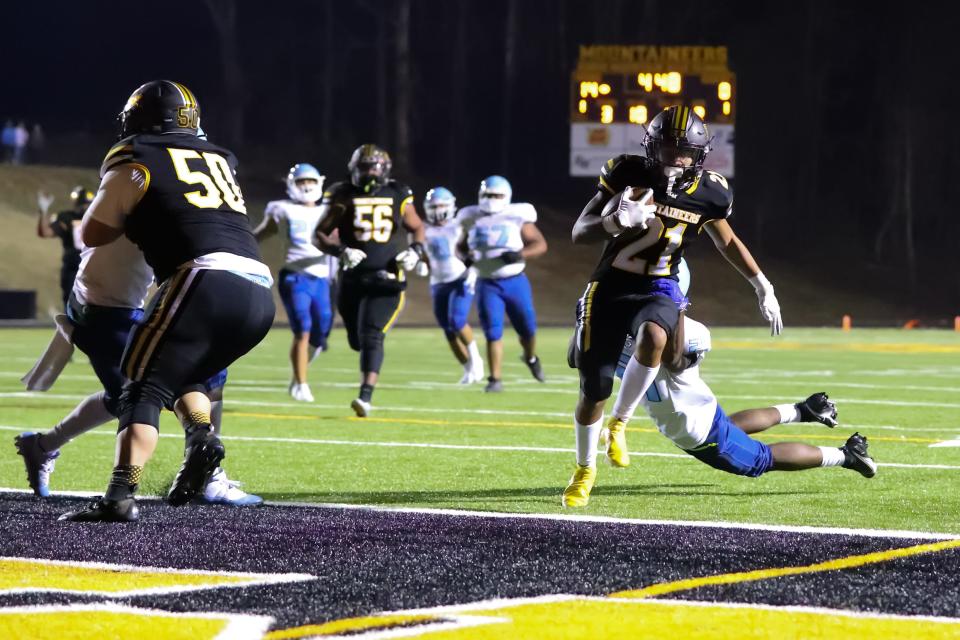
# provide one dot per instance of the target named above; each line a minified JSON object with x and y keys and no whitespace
{"x":304,"y":406}
{"x":463,"y":447}
{"x":564,"y":517}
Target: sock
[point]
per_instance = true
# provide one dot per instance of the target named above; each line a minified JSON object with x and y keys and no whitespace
{"x":832,"y":456}
{"x":473,"y":353}
{"x":636,"y":380}
{"x":123,"y":482}
{"x":532,"y":360}
{"x":216,"y":415}
{"x":90,"y":413}
{"x":587,"y":436}
{"x":366,"y":392}
{"x":788,"y":413}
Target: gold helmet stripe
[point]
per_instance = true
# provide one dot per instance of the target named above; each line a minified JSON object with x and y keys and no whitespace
{"x":183,"y":93}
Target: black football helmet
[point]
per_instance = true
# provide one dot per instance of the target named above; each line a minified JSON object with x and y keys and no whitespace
{"x":81,"y":196}
{"x":677,"y":140}
{"x":369,"y":167}
{"x":160,"y":106}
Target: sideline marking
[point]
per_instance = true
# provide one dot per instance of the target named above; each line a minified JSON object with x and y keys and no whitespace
{"x":847,"y":562}
{"x":237,"y":626}
{"x":32,"y":575}
{"x":517,"y":612}
{"x":893,"y":534}
{"x":481,"y":447}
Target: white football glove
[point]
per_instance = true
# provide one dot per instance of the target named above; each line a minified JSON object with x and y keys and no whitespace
{"x":769,"y":306}
{"x":635,"y":211}
{"x":422,"y":269}
{"x":407,"y":259}
{"x":44,"y":200}
{"x":351,"y":257}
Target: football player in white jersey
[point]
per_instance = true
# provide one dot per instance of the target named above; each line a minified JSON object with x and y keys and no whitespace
{"x":686,"y":411}
{"x":499,"y":237}
{"x":304,"y":281}
{"x":451,"y":282}
{"x":106,"y":302}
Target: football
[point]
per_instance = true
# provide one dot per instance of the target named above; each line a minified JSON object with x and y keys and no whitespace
{"x":636,"y":194}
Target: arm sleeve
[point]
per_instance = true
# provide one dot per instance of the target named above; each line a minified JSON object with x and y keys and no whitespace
{"x":120,"y":190}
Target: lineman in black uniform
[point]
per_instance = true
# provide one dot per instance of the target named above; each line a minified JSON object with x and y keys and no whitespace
{"x":663,"y":201}
{"x":176,"y":197}
{"x":361,"y":225}
{"x":65,"y":225}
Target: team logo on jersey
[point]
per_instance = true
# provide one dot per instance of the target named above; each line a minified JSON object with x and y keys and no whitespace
{"x":678,"y":214}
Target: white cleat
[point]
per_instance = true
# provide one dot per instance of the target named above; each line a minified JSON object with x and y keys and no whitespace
{"x":361,"y":408}
{"x":469,"y":376}
{"x":223,"y":490}
{"x":301,"y":392}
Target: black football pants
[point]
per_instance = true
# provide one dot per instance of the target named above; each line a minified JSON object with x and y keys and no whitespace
{"x":198,"y":323}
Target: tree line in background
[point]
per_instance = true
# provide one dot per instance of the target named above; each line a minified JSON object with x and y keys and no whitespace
{"x":845,"y":134}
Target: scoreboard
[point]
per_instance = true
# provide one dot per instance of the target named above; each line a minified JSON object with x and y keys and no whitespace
{"x":616,"y":90}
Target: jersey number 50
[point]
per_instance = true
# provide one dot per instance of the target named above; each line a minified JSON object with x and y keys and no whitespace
{"x":218,"y":183}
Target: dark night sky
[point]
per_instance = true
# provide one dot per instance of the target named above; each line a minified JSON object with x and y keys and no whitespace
{"x":842,"y":109}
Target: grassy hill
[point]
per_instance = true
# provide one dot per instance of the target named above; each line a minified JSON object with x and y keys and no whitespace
{"x":810,"y":293}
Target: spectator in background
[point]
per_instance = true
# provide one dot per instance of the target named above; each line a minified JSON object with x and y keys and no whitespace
{"x":20,"y":139}
{"x":8,"y":140}
{"x":37,"y":142}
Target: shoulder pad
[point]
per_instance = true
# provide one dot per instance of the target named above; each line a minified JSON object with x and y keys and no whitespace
{"x":623,"y":171}
{"x":721,"y":193}
{"x":336,"y":189}
{"x":120,"y":153}
{"x":401,"y":188}
{"x":525,"y":211}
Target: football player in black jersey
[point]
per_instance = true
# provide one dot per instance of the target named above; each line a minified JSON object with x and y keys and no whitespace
{"x":660,"y":203}
{"x":175,"y":195}
{"x":361,"y":224}
{"x":65,"y":226}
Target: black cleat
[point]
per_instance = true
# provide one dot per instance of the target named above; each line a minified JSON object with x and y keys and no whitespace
{"x":494,"y":385}
{"x":818,"y":408}
{"x":536,"y":369}
{"x":103,"y":510}
{"x":856,"y":456}
{"x":202,"y":457}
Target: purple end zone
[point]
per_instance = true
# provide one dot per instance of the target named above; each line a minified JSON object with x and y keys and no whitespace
{"x":373,"y":561}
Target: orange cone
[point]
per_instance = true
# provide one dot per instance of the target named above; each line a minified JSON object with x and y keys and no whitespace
{"x":956,"y":323}
{"x":911,"y":324}
{"x":846,"y":323}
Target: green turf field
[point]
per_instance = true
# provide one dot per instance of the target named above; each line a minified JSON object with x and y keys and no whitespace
{"x":433,"y":443}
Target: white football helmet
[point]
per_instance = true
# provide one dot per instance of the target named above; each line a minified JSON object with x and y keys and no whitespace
{"x":304,"y":183}
{"x":439,"y":205}
{"x":495,"y":194}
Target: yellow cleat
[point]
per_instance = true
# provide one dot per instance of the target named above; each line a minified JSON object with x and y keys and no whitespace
{"x":577,"y":493}
{"x":615,"y":437}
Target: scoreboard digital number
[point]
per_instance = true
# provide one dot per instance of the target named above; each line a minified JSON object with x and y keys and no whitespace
{"x":616,"y":90}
